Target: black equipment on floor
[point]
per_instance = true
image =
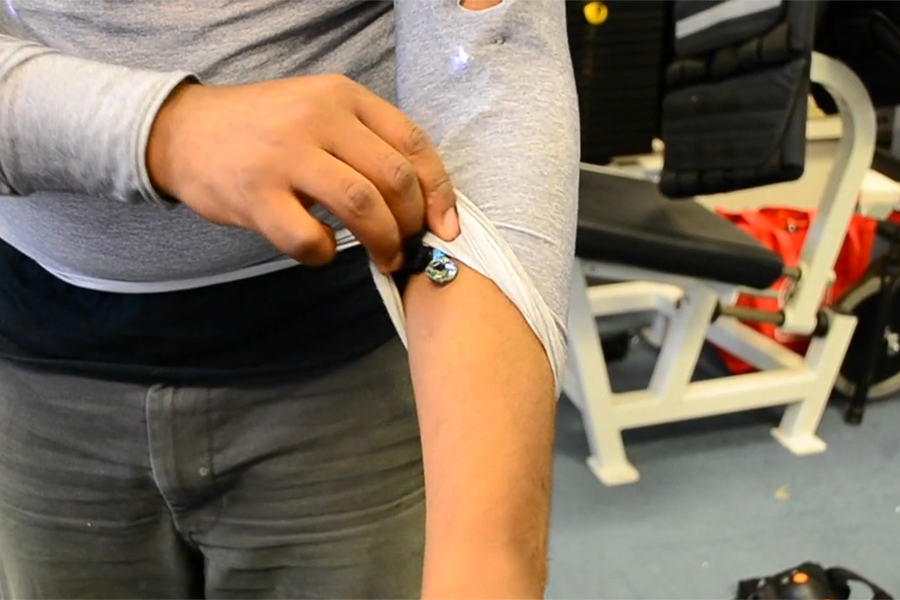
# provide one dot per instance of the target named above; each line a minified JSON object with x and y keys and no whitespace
{"x":808,"y":581}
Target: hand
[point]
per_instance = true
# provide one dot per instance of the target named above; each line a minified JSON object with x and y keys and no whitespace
{"x":259,"y":156}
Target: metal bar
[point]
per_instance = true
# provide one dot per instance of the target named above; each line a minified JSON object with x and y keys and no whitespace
{"x":768,"y":293}
{"x":755,"y":315}
{"x":791,"y":272}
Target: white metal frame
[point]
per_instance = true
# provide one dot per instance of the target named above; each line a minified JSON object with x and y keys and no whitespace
{"x":686,"y":309}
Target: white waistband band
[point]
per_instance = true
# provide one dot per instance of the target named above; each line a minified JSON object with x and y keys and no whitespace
{"x":345,"y":240}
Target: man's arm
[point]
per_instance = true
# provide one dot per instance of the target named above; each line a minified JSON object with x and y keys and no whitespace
{"x":486,"y":402}
{"x":69,"y":124}
{"x":495,"y":91}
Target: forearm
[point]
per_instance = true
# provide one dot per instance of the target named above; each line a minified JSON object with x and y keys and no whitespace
{"x":486,"y":402}
{"x":75,"y":125}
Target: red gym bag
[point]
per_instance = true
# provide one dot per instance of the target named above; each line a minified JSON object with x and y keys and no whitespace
{"x":783,"y":230}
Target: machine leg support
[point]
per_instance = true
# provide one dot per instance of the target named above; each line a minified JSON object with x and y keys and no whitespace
{"x":797,"y":430}
{"x":800,"y":444}
{"x":613,"y":473}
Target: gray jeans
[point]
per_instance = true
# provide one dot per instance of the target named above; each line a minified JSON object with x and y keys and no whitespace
{"x":310,"y":489}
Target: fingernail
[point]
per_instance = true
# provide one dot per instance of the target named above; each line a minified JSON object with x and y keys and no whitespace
{"x":391,"y":266}
{"x":451,"y":223}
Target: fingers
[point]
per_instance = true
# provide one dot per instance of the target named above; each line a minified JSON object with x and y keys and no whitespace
{"x":411,"y":141}
{"x":392,"y":174}
{"x":356,"y":201}
{"x":281,"y":219}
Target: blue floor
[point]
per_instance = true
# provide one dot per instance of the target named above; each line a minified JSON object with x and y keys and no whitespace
{"x":720,"y":500}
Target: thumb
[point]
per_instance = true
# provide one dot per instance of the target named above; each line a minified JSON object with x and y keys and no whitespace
{"x":440,"y":208}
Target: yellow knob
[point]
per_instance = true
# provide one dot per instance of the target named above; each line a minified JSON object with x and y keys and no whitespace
{"x":596,"y":13}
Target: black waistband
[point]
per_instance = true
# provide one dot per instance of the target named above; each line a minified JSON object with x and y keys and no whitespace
{"x":292,"y":321}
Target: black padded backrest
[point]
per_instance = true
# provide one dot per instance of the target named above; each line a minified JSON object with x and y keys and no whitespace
{"x":734,"y":109}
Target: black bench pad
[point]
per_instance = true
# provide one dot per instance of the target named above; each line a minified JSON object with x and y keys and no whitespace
{"x":627,"y":221}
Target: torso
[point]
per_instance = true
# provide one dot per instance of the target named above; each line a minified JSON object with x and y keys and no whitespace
{"x":223,"y":42}
{"x":291,"y":322}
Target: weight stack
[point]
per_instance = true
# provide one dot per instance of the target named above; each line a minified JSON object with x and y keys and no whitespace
{"x":619,"y":51}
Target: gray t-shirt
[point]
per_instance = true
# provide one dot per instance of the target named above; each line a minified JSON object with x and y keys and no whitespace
{"x":81,"y":81}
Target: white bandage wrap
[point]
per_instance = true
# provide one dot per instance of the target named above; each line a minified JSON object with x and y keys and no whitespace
{"x":482,"y":248}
